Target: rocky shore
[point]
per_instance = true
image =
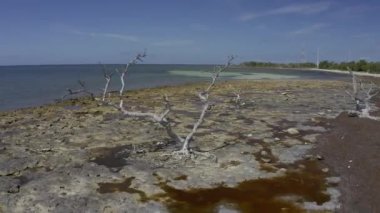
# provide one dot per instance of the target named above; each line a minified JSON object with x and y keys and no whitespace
{"x":82,"y":156}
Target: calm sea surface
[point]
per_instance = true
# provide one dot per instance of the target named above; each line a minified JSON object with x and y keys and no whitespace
{"x":25,"y":86}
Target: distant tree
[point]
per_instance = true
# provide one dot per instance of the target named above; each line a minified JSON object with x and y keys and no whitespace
{"x":362,"y":65}
{"x":324,"y":65}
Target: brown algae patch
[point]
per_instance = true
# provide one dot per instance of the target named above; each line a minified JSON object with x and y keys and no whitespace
{"x":260,"y":195}
{"x":121,"y":187}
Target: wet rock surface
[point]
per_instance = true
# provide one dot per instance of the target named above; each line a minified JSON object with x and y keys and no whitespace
{"x":79,"y":155}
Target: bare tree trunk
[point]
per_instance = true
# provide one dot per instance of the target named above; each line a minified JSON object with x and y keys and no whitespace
{"x":185,"y":146}
{"x":107,"y":76}
{"x":106,"y":89}
{"x":122,"y":83}
{"x":138,"y":58}
{"x":204,"y":97}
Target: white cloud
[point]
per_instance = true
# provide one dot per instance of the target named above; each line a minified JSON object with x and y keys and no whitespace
{"x":302,"y":9}
{"x":124,"y":37}
{"x":172,"y":43}
{"x":309,"y":29}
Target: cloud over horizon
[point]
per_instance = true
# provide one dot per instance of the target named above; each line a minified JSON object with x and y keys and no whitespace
{"x":300,"y":9}
{"x":124,"y":37}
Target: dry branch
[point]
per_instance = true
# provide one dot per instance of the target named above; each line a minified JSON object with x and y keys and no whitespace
{"x":82,"y":90}
{"x":363,"y":93}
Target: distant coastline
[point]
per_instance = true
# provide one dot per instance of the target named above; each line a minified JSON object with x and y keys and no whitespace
{"x":369,"y":67}
{"x":344,"y":72}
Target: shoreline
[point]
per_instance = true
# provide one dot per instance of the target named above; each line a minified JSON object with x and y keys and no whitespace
{"x":344,"y":72}
{"x":377,"y":75}
{"x":35,"y":101}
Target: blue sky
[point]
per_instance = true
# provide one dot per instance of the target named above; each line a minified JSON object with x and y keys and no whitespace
{"x":184,"y":31}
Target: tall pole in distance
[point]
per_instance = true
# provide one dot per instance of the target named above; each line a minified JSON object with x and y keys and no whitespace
{"x":318,"y":58}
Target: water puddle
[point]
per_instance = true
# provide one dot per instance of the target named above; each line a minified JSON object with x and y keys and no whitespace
{"x":261,"y":195}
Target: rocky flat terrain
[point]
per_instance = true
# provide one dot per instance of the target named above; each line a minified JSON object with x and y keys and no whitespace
{"x":82,"y":156}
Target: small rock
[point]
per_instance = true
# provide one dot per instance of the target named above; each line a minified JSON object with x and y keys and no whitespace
{"x":282,"y":170}
{"x":325,"y":170}
{"x":315,"y":120}
{"x":292,"y":131}
{"x":160,"y":143}
{"x":14,"y":189}
{"x":333,"y":180}
{"x":249,"y":135}
{"x":264,"y":153}
{"x":319,"y":157}
{"x":353,"y":114}
{"x":276,"y":139}
{"x":266,"y":160}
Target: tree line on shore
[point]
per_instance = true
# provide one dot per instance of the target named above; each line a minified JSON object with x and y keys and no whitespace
{"x":360,"y":65}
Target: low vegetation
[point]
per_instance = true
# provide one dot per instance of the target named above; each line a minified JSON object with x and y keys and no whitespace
{"x":361,"y":65}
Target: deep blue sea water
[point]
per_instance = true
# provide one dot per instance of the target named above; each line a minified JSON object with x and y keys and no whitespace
{"x":26,"y":86}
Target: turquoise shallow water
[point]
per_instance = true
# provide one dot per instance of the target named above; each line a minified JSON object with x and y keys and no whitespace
{"x":25,"y":86}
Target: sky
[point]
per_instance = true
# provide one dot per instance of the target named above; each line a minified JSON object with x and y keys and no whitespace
{"x":187,"y":31}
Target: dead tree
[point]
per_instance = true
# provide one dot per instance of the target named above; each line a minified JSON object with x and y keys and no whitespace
{"x":107,"y":76}
{"x":204,"y":97}
{"x":161,"y":118}
{"x":138,"y":58}
{"x":82,"y":90}
{"x":362,"y":93}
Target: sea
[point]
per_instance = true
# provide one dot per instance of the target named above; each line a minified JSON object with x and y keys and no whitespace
{"x":35,"y":85}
